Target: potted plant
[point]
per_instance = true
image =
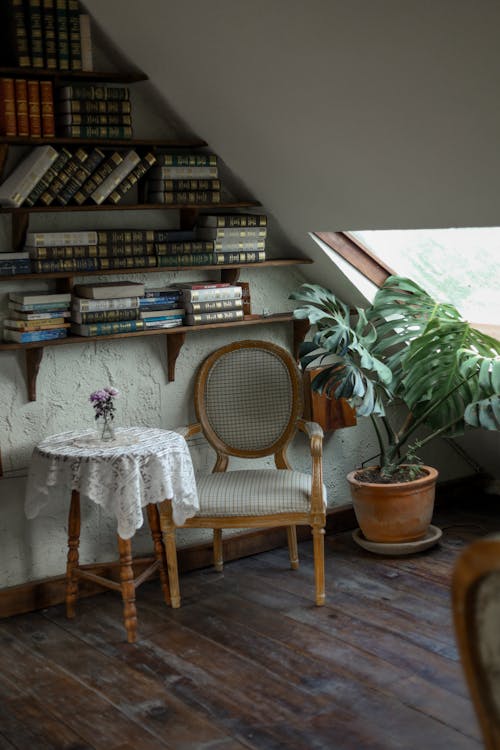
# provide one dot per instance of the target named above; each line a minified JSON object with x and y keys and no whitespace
{"x":404,"y":348}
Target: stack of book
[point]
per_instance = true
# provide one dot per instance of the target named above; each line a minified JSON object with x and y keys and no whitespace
{"x":211,"y":302}
{"x":106,"y":308}
{"x":37,"y":316}
{"x":92,"y":111}
{"x":49,"y":177}
{"x":161,"y":308}
{"x":184,"y":179}
{"x":237,"y":238}
{"x":26,"y":108}
{"x":14,"y":263}
{"x":51,"y":34}
{"x":91,"y":250}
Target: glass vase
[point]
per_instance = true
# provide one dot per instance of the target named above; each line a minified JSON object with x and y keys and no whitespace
{"x":107,"y":432}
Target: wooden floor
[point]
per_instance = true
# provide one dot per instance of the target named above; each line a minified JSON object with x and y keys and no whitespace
{"x":249,"y":662}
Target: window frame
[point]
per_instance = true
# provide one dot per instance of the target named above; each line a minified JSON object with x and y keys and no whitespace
{"x":363,"y":260}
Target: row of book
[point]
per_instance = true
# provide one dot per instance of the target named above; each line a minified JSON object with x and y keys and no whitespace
{"x":50,"y":34}
{"x":27,"y":108}
{"x":47,"y":176}
{"x":121,"y":307}
{"x":109,"y":249}
{"x":193,"y":179}
{"x":93,"y":111}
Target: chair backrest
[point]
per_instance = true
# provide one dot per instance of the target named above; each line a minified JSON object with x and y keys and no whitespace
{"x":476,"y":609}
{"x":248,"y":396}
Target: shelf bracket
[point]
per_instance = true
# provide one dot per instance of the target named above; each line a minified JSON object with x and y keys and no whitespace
{"x":300,"y":329}
{"x":174,"y":346}
{"x":20,"y":221}
{"x":33,"y":359}
{"x":230,"y":275}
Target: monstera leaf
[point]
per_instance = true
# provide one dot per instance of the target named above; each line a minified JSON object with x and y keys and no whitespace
{"x":449,"y":366}
{"x":485,"y":411}
{"x":400,"y":313}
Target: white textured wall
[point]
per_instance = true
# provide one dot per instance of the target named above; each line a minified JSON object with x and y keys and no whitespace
{"x":216,"y":107}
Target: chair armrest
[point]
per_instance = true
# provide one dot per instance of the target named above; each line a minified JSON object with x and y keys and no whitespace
{"x":189,"y":430}
{"x":315,"y":434}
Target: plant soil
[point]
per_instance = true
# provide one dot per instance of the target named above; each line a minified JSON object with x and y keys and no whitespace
{"x":402,"y":474}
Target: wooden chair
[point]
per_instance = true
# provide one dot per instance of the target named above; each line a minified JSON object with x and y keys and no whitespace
{"x":248,"y":401}
{"x":476,"y":612}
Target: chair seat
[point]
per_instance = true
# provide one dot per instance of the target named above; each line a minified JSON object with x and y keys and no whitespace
{"x":254,"y":493}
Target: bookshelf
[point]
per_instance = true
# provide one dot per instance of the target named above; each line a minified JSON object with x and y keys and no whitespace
{"x":64,"y":281}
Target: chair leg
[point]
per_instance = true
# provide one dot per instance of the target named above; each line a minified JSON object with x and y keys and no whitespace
{"x":218,"y":555}
{"x":318,"y":533}
{"x":293,"y":550}
{"x":73,"y":556}
{"x":127,"y":587}
{"x":159,"y":549}
{"x":168,"y":530}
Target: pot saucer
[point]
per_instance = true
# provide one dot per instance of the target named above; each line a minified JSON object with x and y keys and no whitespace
{"x":431,"y":538}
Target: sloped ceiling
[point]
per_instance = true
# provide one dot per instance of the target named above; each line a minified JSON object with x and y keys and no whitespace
{"x":336,"y":115}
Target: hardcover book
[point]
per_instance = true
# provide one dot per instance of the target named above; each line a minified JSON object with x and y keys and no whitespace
{"x":89,"y":91}
{"x":203,"y":295}
{"x":49,"y":34}
{"x":40,"y":298}
{"x":22,"y":115}
{"x":183,"y":173}
{"x":62,"y":34}
{"x":224,"y":316}
{"x":105,"y":329}
{"x":237,"y":234}
{"x":187,"y":160}
{"x":86,"y":42}
{"x":47,"y":109}
{"x":34,"y":115}
{"x":16,"y":188}
{"x":186,"y":197}
{"x":218,"y":305}
{"x":26,"y":337}
{"x":231,"y":220}
{"x":75,"y":49}
{"x":80,"y":304}
{"x":33,"y":18}
{"x":105,"y":316}
{"x":47,"y":239}
{"x":8,"y":124}
{"x":14,"y":46}
{"x":35,"y":325}
{"x":247,"y":256}
{"x":109,"y":289}
{"x":132,"y":178}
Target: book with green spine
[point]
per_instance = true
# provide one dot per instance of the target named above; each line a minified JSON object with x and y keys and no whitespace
{"x":103,"y":329}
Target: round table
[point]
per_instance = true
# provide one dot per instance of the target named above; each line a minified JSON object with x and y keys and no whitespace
{"x":139,"y":469}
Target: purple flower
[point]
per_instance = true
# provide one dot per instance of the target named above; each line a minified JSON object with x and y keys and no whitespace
{"x":102,"y":401}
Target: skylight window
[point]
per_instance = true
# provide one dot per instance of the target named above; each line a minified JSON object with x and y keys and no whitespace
{"x":461,"y":266}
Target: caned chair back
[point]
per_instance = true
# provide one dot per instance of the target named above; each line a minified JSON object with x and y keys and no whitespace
{"x":248,"y":397}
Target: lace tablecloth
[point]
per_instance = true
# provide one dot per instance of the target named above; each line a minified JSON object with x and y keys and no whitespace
{"x":142,"y":466}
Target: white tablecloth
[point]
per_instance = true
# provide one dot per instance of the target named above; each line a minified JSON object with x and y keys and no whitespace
{"x":142,"y":466}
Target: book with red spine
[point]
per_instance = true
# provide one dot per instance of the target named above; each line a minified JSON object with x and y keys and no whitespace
{"x":34,"y":116}
{"x":22,"y":117}
{"x":8,"y":125}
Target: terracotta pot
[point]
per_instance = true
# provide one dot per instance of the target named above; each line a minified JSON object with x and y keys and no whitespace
{"x":399,"y":512}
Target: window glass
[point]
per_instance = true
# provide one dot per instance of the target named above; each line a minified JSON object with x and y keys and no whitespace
{"x":461,"y":266}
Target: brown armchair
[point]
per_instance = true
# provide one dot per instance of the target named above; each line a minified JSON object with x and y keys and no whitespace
{"x":248,"y":402}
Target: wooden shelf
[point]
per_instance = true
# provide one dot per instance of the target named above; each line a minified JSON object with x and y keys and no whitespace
{"x":174,"y":341}
{"x":21,"y":140}
{"x":74,"y":75}
{"x":128,"y":207}
{"x":224,"y":270}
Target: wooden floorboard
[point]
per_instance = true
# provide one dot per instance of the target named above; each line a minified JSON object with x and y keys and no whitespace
{"x":249,"y":662}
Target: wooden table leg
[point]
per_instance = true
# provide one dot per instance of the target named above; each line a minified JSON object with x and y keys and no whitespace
{"x":168,"y":530}
{"x":127,"y":586}
{"x":159,"y":549}
{"x":73,"y":556}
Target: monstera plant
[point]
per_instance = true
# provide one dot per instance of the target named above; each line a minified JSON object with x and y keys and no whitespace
{"x":403,"y":348}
